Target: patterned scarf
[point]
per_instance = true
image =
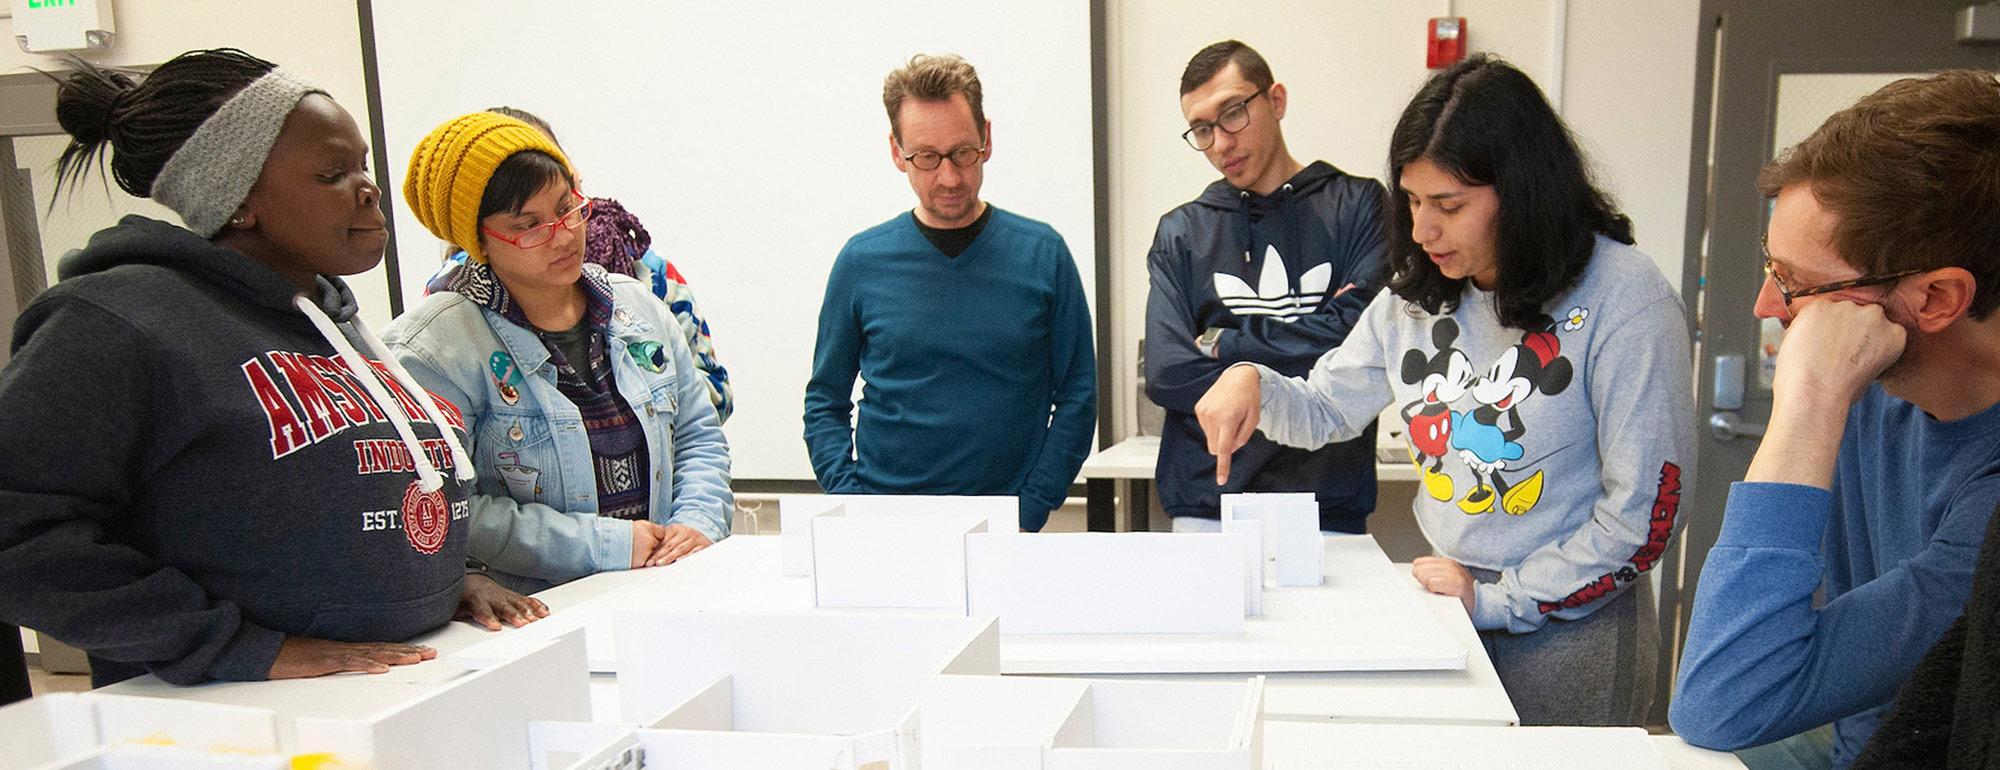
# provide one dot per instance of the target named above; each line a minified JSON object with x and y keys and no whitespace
{"x":618,"y":451}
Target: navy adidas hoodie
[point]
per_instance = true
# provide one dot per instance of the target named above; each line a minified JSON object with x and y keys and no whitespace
{"x":191,"y":472}
{"x":1284,"y":276}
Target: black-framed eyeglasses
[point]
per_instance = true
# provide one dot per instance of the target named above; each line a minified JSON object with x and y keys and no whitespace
{"x":1788,"y":294}
{"x":929,"y":160}
{"x":1234,"y":118}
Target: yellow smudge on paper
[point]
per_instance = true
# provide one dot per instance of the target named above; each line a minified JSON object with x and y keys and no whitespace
{"x":320,"y":761}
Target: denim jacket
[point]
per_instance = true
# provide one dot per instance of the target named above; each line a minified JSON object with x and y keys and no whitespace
{"x":534,"y":518}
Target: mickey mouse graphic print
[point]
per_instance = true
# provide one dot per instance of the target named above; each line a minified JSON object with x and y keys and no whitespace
{"x":1553,"y":455}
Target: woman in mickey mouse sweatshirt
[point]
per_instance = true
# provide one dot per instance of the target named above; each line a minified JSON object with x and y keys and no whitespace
{"x":1540,"y":365}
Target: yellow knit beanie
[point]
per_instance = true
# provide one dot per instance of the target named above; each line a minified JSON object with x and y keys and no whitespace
{"x":450,"y":168}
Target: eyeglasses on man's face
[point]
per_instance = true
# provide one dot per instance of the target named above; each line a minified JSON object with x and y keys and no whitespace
{"x":543,"y":233}
{"x":929,"y":160}
{"x":1786,"y":292}
{"x":1234,"y":118}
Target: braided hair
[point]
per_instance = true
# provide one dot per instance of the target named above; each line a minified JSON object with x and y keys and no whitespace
{"x":144,"y":121}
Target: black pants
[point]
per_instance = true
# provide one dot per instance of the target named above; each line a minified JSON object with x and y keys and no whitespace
{"x":13,"y":667}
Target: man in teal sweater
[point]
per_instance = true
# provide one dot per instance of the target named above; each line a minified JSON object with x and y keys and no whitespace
{"x":1881,"y":467}
{"x":967,"y":325}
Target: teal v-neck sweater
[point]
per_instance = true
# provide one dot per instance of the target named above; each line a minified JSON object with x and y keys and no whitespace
{"x":978,"y":376}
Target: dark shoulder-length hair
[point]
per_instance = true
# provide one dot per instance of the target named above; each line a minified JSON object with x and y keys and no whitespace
{"x":1485,"y":122}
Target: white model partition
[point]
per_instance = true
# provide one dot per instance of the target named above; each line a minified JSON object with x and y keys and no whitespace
{"x":1076,"y":724}
{"x":851,"y":680}
{"x":1107,"y":583}
{"x":170,"y":758}
{"x":1290,"y":523}
{"x":478,"y":720}
{"x":65,"y":731}
{"x":902,"y":561}
{"x":48,"y":728}
{"x":795,"y":512}
{"x":1250,"y":534}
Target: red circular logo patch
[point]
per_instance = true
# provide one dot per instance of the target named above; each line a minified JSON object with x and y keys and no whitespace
{"x":426,"y":518}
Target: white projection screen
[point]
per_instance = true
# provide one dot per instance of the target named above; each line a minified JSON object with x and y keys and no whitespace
{"x":749,"y":136}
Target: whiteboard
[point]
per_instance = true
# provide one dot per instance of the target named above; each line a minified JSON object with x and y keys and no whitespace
{"x":750,"y":138}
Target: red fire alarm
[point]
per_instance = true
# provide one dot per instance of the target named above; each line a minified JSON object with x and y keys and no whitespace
{"x":1447,"y":42}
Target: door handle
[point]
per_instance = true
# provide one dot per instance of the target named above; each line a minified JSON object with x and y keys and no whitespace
{"x":1726,"y":426}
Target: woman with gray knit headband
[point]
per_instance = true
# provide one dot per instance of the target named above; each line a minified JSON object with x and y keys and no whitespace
{"x":214,"y":470}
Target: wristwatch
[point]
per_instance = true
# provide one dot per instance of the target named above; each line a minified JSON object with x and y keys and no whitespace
{"x":1209,"y":341}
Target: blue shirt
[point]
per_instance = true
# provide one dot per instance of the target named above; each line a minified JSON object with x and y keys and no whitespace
{"x":1893,"y":545}
{"x":978,"y":370}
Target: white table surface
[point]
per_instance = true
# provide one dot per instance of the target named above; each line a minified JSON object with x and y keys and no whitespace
{"x":1135,"y":458}
{"x":1681,"y":756}
{"x":1472,"y":696}
{"x":1299,"y":745}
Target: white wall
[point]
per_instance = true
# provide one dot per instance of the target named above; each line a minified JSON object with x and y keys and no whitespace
{"x":1350,"y":66}
{"x":1627,"y":87}
{"x":752,"y":170}
{"x":320,"y":40}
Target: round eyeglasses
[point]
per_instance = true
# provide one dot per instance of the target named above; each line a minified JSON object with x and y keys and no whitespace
{"x":928,"y":160}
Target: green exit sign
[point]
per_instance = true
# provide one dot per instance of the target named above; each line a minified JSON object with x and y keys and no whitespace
{"x":55,"y":26}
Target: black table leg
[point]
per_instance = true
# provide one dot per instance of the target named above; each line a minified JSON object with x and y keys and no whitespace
{"x":1142,"y":507}
{"x":1101,"y":510}
{"x":13,"y":667}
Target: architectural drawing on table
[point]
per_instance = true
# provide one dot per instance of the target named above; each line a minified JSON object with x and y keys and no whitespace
{"x":1002,"y":514}
{"x":1038,"y":723}
{"x":430,"y":729}
{"x":1291,"y":532}
{"x":725,"y":689}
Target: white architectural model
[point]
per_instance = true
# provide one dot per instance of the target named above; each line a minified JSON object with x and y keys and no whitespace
{"x":731,"y":660}
{"x":67,"y":731}
{"x":922,"y":552}
{"x":1290,"y":523}
{"x":1002,"y":514}
{"x":904,"y":561}
{"x":1108,"y":583}
{"x":883,"y":692}
{"x":473,"y":719}
{"x":1036,"y":723}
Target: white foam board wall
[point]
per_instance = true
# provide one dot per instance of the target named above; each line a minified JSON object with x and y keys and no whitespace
{"x":906,"y":561}
{"x":1291,"y":532}
{"x":794,"y":673}
{"x":1138,"y":582}
{"x":478,"y":720}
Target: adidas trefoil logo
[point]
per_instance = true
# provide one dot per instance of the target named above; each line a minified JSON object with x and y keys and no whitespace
{"x":1275,"y":295}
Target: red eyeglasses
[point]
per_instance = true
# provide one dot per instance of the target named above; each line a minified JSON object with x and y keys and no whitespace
{"x":541,"y":234}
